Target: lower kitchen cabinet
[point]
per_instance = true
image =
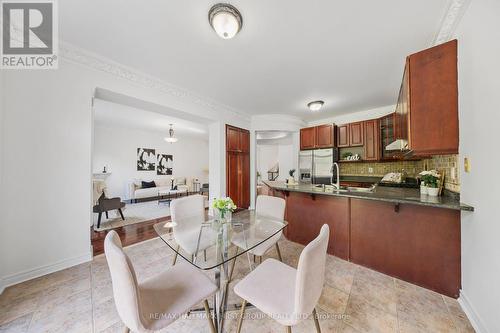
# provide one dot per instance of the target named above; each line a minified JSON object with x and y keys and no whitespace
{"x":417,"y":244}
{"x":306,"y":214}
{"x":414,"y":243}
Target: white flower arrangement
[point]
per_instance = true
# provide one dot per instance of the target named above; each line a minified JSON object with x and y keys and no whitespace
{"x":223,"y":206}
{"x":430,"y":178}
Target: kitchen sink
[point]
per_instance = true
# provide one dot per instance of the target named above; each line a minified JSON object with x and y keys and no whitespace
{"x":343,"y":189}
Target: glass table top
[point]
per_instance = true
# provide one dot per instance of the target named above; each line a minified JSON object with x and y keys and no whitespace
{"x":208,"y":244}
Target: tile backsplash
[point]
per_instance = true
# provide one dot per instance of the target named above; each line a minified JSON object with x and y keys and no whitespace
{"x":447,"y":163}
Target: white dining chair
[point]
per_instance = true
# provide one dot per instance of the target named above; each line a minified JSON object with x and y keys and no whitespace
{"x":286,"y":294}
{"x":269,"y":206}
{"x":157,"y":302}
{"x":187,"y":215}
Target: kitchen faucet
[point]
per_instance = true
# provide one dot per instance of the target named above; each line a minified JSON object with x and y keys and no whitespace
{"x":337,"y":184}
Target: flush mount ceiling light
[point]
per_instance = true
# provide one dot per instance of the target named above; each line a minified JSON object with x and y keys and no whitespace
{"x":171,"y":138}
{"x":315,"y":106}
{"x":225,"y":19}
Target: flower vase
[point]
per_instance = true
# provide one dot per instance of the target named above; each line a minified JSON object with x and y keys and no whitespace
{"x":423,"y":189}
{"x":222,"y":216}
{"x":433,"y":191}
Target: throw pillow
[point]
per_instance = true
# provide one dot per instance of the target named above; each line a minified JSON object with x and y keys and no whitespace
{"x":148,"y":184}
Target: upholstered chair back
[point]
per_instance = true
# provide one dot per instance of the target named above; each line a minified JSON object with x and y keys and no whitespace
{"x":187,"y":207}
{"x":311,"y":273}
{"x":270,"y":206}
{"x":125,"y":287}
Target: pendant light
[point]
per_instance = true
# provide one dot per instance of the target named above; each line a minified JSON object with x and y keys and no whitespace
{"x":171,"y":138}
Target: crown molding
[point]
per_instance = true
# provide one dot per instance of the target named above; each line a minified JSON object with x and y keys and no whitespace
{"x":449,"y":23}
{"x":97,"y":62}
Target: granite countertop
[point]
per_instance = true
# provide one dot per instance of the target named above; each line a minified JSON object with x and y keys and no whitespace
{"x":388,"y":194}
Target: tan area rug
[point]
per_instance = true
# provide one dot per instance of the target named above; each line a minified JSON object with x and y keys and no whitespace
{"x":133,"y":213}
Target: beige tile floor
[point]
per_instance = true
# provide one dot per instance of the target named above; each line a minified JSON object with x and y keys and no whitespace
{"x":355,"y":299}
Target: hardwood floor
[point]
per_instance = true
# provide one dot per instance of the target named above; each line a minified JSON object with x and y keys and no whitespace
{"x":129,"y":234}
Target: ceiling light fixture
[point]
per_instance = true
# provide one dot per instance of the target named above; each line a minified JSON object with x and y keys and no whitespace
{"x":315,"y":106}
{"x":171,"y":138}
{"x":225,"y":19}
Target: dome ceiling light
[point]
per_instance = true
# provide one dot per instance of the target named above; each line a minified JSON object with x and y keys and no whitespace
{"x":171,"y":138}
{"x":315,"y":106}
{"x":225,"y":19}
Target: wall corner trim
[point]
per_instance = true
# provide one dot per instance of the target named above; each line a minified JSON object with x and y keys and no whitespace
{"x":472,"y":314}
{"x":43,"y":270}
{"x":450,"y":21}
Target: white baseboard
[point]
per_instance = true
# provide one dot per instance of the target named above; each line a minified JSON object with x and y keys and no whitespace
{"x":473,"y":316}
{"x":43,"y":270}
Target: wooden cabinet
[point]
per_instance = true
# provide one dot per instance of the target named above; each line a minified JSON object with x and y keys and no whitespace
{"x":371,"y":140}
{"x":321,"y":136}
{"x":324,"y":136}
{"x":245,"y":141}
{"x":427,"y":108}
{"x":343,"y":135}
{"x":356,"y":134}
{"x":306,"y":214}
{"x":238,"y":166}
{"x":237,"y":139}
{"x":232,"y":139}
{"x":307,"y":138}
{"x":350,"y":135}
{"x":387,"y":136}
{"x":412,"y":243}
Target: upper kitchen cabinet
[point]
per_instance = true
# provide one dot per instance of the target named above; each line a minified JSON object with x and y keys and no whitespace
{"x":343,"y":135}
{"x":356,"y":134}
{"x":324,"y":136}
{"x":372,"y":140}
{"x":350,"y":135}
{"x":307,"y":138}
{"x":321,"y":136}
{"x":427,"y":108}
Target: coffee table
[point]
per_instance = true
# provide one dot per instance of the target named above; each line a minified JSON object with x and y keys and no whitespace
{"x":166,"y":196}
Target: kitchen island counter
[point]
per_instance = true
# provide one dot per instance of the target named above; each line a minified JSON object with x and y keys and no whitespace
{"x":387,"y":194}
{"x":391,"y":230}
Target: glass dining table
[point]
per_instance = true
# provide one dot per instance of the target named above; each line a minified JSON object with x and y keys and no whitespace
{"x":210,"y":245}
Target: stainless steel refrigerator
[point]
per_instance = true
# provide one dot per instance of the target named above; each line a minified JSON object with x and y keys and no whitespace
{"x":315,"y":166}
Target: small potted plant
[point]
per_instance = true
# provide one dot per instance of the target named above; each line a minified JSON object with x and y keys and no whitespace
{"x":430,"y":182}
{"x":223,"y":208}
{"x":291,"y":179}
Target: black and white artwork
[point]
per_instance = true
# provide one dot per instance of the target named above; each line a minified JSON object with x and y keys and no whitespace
{"x":146,"y":159}
{"x":165,"y":163}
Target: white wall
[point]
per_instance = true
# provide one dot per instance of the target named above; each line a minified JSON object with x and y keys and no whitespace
{"x":266,"y":157}
{"x":355,"y":116}
{"x":479,"y":72}
{"x":279,"y":151}
{"x":272,"y":122}
{"x":46,"y":194}
{"x":116,"y":147}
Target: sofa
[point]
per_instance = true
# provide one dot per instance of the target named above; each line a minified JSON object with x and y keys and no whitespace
{"x":136,"y":192}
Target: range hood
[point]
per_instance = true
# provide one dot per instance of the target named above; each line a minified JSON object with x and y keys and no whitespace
{"x":399,"y":144}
